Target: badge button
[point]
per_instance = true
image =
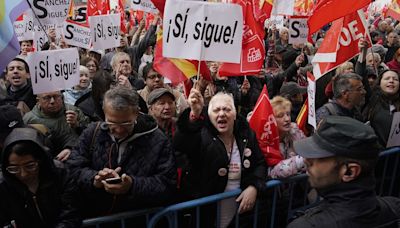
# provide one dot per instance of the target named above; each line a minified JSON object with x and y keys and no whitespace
{"x":222,"y":172}
{"x":247,"y":152}
{"x":246,"y":163}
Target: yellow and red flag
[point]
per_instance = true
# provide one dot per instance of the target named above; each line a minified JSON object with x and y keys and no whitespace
{"x":177,"y":70}
{"x":302,"y":117}
{"x":394,"y":10}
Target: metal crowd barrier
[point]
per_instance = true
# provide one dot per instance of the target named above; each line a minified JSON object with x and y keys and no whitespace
{"x":294,"y":191}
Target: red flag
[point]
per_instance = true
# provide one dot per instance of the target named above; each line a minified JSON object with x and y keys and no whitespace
{"x":340,"y":43}
{"x":177,"y":70}
{"x":263,"y":9}
{"x":160,"y":5}
{"x":327,"y":11}
{"x":264,"y":124}
{"x":253,"y":50}
{"x":105,"y":6}
{"x":93,"y":8}
{"x":121,"y":10}
{"x":303,"y":7}
{"x":393,"y":10}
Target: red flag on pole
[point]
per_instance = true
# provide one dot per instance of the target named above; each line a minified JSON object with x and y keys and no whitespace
{"x":253,"y":50}
{"x":340,"y":43}
{"x":327,"y":11}
{"x":264,"y":124}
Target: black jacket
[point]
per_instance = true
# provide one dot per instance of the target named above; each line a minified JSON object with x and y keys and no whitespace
{"x":53,"y":205}
{"x":147,"y":158}
{"x":207,"y":155}
{"x":25,"y":94}
{"x":352,"y":205}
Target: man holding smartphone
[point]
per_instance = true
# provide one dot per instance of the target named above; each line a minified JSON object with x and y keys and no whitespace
{"x":125,"y":162}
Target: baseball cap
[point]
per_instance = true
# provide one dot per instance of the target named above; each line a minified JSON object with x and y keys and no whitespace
{"x":10,"y":118}
{"x":157,"y":93}
{"x":291,"y":89}
{"x":340,"y":136}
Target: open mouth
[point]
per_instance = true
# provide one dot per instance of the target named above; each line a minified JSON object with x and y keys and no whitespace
{"x":222,"y":123}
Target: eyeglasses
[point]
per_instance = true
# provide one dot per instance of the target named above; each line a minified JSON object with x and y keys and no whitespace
{"x":123,"y":125}
{"x":55,"y":97}
{"x":153,"y":76}
{"x":29,"y":167}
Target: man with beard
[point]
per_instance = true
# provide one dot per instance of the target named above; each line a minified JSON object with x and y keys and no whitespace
{"x":19,"y":90}
{"x":340,"y":161}
{"x":348,"y":98}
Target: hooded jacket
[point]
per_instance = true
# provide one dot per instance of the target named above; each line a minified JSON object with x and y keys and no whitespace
{"x":53,"y":203}
{"x":146,"y":156}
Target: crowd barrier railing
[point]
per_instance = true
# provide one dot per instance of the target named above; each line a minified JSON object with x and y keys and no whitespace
{"x":387,"y":175}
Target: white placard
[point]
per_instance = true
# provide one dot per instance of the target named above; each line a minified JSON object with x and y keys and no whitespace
{"x":24,"y":29}
{"x":40,"y":37}
{"x":312,"y":119}
{"x":54,"y":70}
{"x":76,"y":35}
{"x":394,"y":135}
{"x":50,"y":11}
{"x":278,"y":21}
{"x":283,"y":7}
{"x":298,"y":30}
{"x":202,"y":31}
{"x":144,"y":5}
{"x":105,"y":31}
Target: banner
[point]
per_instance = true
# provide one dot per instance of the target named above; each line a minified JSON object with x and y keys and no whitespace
{"x":50,"y":12}
{"x":76,"y":35}
{"x":283,"y":7}
{"x":298,"y":30}
{"x":202,"y":31}
{"x":340,"y":43}
{"x":105,"y":31}
{"x":311,"y":89}
{"x":24,"y":28}
{"x":54,"y":70}
{"x":144,"y":5}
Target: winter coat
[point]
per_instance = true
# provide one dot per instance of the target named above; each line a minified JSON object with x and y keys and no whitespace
{"x":146,"y":156}
{"x":353,"y":204}
{"x":62,"y":135}
{"x":24,"y":94}
{"x":53,"y":205}
{"x":208,"y":156}
{"x":72,"y":95}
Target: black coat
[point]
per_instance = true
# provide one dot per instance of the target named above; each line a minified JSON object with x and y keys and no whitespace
{"x":148,"y":159}
{"x":55,"y":198}
{"x":352,"y":205}
{"x":207,"y":155}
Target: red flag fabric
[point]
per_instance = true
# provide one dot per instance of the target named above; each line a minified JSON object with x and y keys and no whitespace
{"x":160,"y":5}
{"x":264,"y":124}
{"x":253,"y":50}
{"x":105,"y":6}
{"x":327,"y":11}
{"x":121,"y":10}
{"x":263,"y":9}
{"x":92,"y":8}
{"x":393,"y":10}
{"x":177,"y":70}
{"x":303,"y":7}
{"x":340,"y":43}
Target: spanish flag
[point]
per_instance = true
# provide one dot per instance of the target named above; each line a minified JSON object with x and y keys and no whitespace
{"x":177,"y":70}
{"x":302,"y":118}
{"x":394,"y":10}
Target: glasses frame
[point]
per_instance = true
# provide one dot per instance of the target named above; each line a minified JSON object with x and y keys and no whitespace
{"x":34,"y":164}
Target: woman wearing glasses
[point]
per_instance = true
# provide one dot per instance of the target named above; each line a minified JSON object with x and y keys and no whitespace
{"x":33,"y":191}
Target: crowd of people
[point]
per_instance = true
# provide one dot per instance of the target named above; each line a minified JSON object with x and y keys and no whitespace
{"x":124,"y":138}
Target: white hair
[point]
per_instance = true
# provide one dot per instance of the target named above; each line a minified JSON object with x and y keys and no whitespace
{"x":226,"y":97}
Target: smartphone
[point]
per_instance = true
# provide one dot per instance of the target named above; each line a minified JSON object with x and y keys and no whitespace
{"x":114,"y":180}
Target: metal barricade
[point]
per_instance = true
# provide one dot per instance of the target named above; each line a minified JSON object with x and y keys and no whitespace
{"x":120,"y":218}
{"x":388,"y":173}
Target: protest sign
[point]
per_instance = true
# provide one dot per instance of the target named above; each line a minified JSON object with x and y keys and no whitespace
{"x":298,"y":30}
{"x":394,"y":135}
{"x":105,"y":31}
{"x":50,"y":11}
{"x":40,"y":36}
{"x":24,"y":28}
{"x":202,"y":31}
{"x":144,"y":5}
{"x":76,"y":35}
{"x":54,"y":70}
{"x":311,"y":89}
{"x":278,"y":21}
{"x":283,"y":7}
